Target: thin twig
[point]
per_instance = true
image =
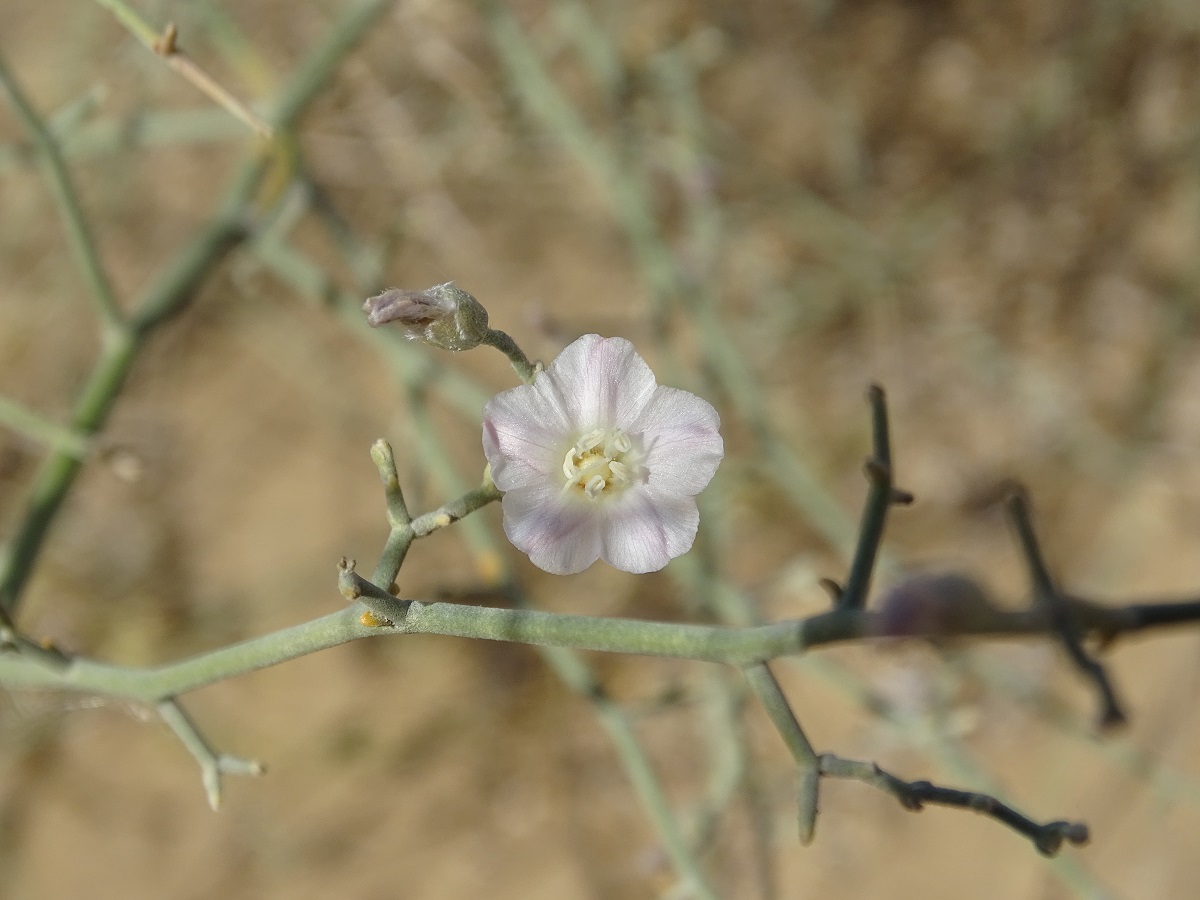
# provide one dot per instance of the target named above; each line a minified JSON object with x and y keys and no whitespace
{"x":212,"y":764}
{"x":913,"y":795}
{"x":574,"y":672}
{"x":762,"y":682}
{"x":881,"y":496}
{"x":1058,"y":607}
{"x":165,"y":45}
{"x":385,"y":461}
{"x":912,"y":726}
{"x":735,"y":646}
{"x":34,"y":426}
{"x":400,"y":535}
{"x":79,"y":233}
{"x":385,"y":610}
{"x":416,"y":370}
{"x":715,"y":644}
{"x":166,"y":297}
{"x":1047,"y":838}
{"x":525,"y":370}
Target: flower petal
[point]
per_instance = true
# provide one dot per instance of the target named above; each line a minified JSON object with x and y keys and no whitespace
{"x":523,"y":437}
{"x":600,"y":381}
{"x":645,"y":530}
{"x":680,"y":437}
{"x":561,"y":536}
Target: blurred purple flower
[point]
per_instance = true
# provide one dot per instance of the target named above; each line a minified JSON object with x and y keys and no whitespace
{"x":598,"y":461}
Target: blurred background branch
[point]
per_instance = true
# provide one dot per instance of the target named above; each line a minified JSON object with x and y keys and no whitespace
{"x":992,"y":212}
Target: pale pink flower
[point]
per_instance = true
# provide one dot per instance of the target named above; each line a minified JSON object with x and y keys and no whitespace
{"x":598,"y":461}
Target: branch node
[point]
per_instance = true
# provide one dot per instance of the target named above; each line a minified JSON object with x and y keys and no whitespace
{"x":382,"y":607}
{"x":878,"y":471}
{"x":165,"y":44}
{"x":913,"y":795}
{"x":212,"y":765}
{"x":347,"y":585}
{"x":911,"y":799}
{"x":880,"y":496}
{"x":762,"y":681}
{"x":833,"y":589}
{"x":1047,"y":596}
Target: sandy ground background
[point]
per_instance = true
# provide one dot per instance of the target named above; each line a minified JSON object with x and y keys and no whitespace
{"x":993,"y":209}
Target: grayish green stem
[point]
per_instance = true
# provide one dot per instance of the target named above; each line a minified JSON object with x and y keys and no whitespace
{"x":763,"y":683}
{"x":710,"y":643}
{"x":212,"y":764}
{"x":385,"y":461}
{"x":404,"y":533}
{"x":520,"y":362}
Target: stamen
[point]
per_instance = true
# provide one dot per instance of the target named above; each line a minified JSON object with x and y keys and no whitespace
{"x":598,"y":461}
{"x":589,"y":441}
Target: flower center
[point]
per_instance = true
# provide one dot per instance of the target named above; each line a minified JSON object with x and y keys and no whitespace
{"x":602,"y":462}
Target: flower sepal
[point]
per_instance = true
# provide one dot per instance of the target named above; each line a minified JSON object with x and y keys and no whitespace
{"x":444,"y":315}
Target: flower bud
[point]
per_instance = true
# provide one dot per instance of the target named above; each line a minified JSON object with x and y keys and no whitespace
{"x":443,"y":315}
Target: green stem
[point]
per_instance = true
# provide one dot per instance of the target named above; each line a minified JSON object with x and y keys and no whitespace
{"x":577,"y":675}
{"x":403,"y":533}
{"x":58,"y":472}
{"x":351,"y":27}
{"x":155,"y":684}
{"x":163,"y":46}
{"x":212,"y":764}
{"x":743,"y":647}
{"x":34,"y":426}
{"x":167,"y":296}
{"x":132,"y":20}
{"x":79,"y":234}
{"x":385,"y":461}
{"x":770,"y":694}
{"x":520,"y":362}
{"x":185,"y":274}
